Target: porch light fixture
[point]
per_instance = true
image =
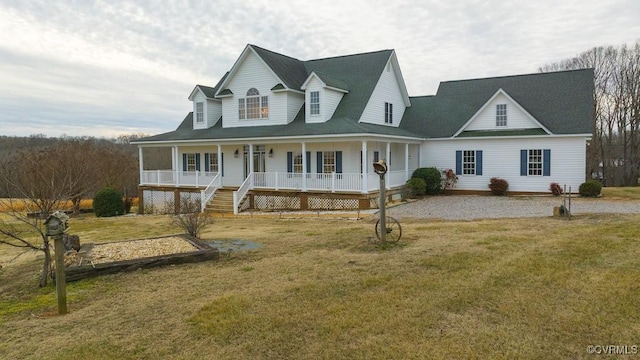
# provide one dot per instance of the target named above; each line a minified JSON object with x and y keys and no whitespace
{"x":271,"y":152}
{"x":235,"y":153}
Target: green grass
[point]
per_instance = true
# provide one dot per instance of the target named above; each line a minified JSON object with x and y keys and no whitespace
{"x":501,"y":289}
{"x":632,"y":193}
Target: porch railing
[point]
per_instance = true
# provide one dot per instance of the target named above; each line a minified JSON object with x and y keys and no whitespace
{"x":210,"y":191}
{"x":242,"y":191}
{"x":184,"y":178}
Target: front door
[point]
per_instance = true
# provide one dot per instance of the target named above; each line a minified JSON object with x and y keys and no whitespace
{"x":259,"y":156}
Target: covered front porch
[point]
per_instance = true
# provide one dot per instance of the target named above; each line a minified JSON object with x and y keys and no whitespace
{"x":320,"y":167}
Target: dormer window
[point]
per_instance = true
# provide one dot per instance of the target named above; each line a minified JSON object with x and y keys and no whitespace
{"x":388,"y":113}
{"x":199,"y":112}
{"x":501,"y":115}
{"x":253,"y":106}
{"x":314,"y":103}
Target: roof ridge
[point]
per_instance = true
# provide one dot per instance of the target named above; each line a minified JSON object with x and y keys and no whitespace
{"x":275,"y":53}
{"x":350,"y":55}
{"x":516,"y":75}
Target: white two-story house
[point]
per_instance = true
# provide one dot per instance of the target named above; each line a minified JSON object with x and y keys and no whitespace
{"x":280,"y":133}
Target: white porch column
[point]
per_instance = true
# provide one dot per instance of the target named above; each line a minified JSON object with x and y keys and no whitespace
{"x":140,"y":163}
{"x":304,"y":166}
{"x":220,"y":163}
{"x":388,"y":160}
{"x":175,"y":165}
{"x":365,"y":168}
{"x":406,"y":161}
{"x":250,"y":159}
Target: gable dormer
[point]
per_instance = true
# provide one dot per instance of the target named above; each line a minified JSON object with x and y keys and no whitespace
{"x":322,"y":96}
{"x":390,"y":98}
{"x":206,"y":109}
{"x":501,"y":113}
{"x":256,"y":93}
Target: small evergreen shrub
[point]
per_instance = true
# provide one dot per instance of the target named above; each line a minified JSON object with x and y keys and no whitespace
{"x":432,"y":179}
{"x":415,"y":187}
{"x":555,"y":189}
{"x":590,"y":188}
{"x":108,"y":202}
{"x":498,"y":186}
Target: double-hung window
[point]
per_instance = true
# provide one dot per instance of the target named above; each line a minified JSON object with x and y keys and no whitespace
{"x":328,"y":162}
{"x":469,"y":162}
{"x":388,"y":113}
{"x":211,"y":162}
{"x":297,"y":163}
{"x":253,"y":106}
{"x":199,"y":112}
{"x":501,"y":115}
{"x":535,"y":162}
{"x":314,"y":103}
{"x":190,"y":162}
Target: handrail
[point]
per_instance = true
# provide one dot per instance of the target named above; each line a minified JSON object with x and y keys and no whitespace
{"x":242,"y":191}
{"x":208,"y":193}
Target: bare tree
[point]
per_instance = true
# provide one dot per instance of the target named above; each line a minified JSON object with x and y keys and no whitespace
{"x":614,"y":150}
{"x":190,"y":219}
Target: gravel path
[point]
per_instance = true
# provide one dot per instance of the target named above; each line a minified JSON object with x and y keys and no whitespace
{"x":469,"y":207}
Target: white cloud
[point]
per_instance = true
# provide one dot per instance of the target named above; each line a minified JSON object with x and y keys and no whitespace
{"x":115,"y":66}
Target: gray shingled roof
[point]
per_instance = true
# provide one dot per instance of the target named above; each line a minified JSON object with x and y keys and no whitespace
{"x":561,"y":101}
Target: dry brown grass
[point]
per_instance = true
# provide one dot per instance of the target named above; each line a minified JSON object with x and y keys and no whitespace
{"x":514,"y":288}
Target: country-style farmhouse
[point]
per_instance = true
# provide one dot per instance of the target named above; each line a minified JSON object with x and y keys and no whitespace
{"x":277,"y":132}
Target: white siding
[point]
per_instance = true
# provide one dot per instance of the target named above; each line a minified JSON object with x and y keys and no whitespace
{"x":253,"y":73}
{"x":516,"y":118}
{"x":329,"y":100}
{"x":213,"y":111}
{"x":387,"y":90}
{"x":294,"y":103}
{"x":501,"y":158}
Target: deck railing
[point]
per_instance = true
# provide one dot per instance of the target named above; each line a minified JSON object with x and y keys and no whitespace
{"x":184,"y":178}
{"x":210,"y":191}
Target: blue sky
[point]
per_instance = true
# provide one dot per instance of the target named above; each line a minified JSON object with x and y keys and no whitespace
{"x":105,"y":68}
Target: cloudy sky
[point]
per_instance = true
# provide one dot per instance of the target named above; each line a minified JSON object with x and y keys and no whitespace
{"x":110,"y":67}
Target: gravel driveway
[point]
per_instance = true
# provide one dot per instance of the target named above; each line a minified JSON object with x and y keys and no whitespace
{"x":469,"y":207}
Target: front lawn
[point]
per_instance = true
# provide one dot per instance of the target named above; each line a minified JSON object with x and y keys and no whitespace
{"x":502,"y":289}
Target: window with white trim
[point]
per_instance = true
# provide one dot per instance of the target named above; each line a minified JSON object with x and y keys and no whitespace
{"x":314,"y":103}
{"x":213,"y":162}
{"x":297,"y":163}
{"x":388,"y":113}
{"x":469,"y":162}
{"x":191,"y":162}
{"x":253,"y":106}
{"x":535,"y":162}
{"x":501,"y":115}
{"x":199,"y":112}
{"x":329,"y":162}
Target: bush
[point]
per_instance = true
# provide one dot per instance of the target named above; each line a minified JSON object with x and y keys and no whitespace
{"x":590,"y":188}
{"x":415,"y":187}
{"x":498,"y":186}
{"x":432,"y":179}
{"x":555,"y":189}
{"x":191,"y":219}
{"x":108,"y":202}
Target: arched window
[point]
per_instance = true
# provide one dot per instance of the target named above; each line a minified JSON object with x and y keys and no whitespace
{"x":253,"y":106}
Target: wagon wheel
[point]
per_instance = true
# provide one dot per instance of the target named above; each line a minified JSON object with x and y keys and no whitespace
{"x":394,"y":230}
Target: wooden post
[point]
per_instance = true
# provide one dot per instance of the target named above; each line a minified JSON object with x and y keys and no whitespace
{"x":61,"y":284}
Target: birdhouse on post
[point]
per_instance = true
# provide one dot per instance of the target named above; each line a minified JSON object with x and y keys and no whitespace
{"x":56,"y":225}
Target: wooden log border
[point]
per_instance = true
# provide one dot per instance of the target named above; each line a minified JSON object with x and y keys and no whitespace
{"x":205,"y":253}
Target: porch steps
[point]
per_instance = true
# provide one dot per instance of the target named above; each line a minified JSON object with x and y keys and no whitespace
{"x":222,"y":202}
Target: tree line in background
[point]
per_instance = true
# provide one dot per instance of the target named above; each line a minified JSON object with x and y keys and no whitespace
{"x":613,"y":156}
{"x":70,"y":168}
